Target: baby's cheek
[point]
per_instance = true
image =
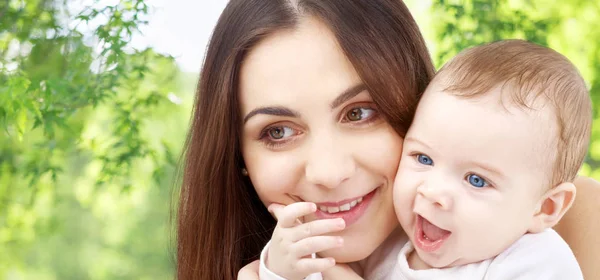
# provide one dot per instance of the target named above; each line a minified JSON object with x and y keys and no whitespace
{"x":404,"y":191}
{"x":406,"y":181}
{"x":402,"y":202}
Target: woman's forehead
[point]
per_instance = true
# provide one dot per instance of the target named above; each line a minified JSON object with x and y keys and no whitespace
{"x":294,"y":65}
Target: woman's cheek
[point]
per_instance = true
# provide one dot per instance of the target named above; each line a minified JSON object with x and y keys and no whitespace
{"x":382,"y":151}
{"x":274,"y":176}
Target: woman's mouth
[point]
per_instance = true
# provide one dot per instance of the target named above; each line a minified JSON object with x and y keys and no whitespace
{"x":350,"y":209}
{"x":344,"y":207}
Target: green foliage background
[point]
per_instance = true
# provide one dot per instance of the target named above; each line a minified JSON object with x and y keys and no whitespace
{"x":91,"y":129}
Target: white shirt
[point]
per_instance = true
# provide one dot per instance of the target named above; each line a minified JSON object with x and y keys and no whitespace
{"x":542,"y":256}
{"x":534,"y":256}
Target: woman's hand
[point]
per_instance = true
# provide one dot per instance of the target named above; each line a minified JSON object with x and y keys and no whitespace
{"x":580,"y":226}
{"x":293,"y":242}
{"x":249,"y":271}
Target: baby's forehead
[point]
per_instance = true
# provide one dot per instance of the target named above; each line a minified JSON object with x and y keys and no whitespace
{"x":539,"y":112}
{"x":505,"y":96}
{"x":534,"y":126}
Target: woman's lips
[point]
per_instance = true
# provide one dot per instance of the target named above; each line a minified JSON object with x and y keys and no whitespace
{"x":344,"y":205}
{"x":350,"y":209}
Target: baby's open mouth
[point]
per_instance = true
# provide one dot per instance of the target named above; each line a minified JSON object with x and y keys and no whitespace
{"x":429,"y":237}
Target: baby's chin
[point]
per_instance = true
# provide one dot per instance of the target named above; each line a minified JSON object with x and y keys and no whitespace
{"x":446,"y":262}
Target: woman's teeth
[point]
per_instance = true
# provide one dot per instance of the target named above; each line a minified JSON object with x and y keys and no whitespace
{"x":341,"y":208}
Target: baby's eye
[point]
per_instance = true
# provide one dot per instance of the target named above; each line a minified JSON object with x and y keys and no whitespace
{"x":423,"y":159}
{"x":476,"y":181}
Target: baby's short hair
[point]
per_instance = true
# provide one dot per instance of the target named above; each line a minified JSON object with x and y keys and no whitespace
{"x":531,"y":71}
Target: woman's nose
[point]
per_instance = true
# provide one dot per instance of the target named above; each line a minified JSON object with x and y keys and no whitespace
{"x":329,"y":163}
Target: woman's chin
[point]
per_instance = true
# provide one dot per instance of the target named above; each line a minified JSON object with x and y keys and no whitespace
{"x":348,"y":254}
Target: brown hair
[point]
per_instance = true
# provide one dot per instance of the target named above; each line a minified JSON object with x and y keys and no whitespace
{"x":222,"y":224}
{"x":532,"y":71}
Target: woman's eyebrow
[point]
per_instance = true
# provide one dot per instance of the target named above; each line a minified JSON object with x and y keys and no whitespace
{"x":274,"y":111}
{"x":286,"y":112}
{"x":347,"y":94}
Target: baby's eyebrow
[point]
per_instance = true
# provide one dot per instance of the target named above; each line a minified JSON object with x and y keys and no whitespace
{"x":415,"y":140}
{"x":489,"y":168}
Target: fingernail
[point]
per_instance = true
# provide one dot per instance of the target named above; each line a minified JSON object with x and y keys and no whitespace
{"x":313,"y":207}
{"x":331,"y":261}
{"x":340,"y":241}
{"x":341,"y":223}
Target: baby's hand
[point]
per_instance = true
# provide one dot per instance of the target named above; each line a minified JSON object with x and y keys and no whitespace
{"x":293,"y":242}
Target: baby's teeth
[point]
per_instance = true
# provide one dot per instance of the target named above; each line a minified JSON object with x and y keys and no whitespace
{"x":323,"y":208}
{"x":353,"y":203}
{"x":345,"y":207}
{"x":333,"y":209}
{"x":360,"y":200}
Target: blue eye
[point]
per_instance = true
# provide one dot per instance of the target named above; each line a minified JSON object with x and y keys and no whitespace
{"x":423,"y":159}
{"x":476,"y":181}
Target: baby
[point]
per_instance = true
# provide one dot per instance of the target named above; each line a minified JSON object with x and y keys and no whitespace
{"x":486,"y":170}
{"x":487,"y":166}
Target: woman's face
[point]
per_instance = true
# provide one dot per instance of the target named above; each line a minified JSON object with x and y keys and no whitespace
{"x":311,"y":132}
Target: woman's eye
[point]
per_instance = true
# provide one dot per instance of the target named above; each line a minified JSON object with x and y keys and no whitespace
{"x":278,"y":136}
{"x":359,"y":114}
{"x":280,"y":132}
{"x":476,"y":181}
{"x":423,"y":159}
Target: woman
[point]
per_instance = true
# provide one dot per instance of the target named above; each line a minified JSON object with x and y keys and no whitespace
{"x":300,"y":101}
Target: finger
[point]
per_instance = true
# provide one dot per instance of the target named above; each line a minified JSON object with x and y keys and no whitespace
{"x":275,"y":209}
{"x":249,"y":271}
{"x":318,"y":227}
{"x":288,"y":216}
{"x":315,"y":244}
{"x":306,"y":266}
{"x":275,"y":206}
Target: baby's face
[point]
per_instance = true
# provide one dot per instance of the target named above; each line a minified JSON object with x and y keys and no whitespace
{"x":471,"y":176}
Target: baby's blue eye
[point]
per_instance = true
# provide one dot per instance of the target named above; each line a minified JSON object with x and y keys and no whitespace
{"x":423,"y":159}
{"x":476,"y":181}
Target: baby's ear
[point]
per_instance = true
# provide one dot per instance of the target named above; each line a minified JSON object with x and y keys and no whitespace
{"x":552,"y":206}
